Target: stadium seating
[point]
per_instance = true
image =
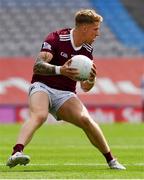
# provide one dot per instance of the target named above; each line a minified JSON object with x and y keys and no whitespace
{"x":136,"y":10}
{"x":24,"y":24}
{"x":121,"y":23}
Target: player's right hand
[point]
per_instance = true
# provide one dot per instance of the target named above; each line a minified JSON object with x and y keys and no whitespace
{"x":68,"y":71}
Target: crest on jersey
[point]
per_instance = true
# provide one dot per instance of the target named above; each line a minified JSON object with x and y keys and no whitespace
{"x":64,"y":54}
{"x":46,"y":45}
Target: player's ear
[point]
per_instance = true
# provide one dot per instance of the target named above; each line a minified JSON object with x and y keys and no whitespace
{"x":84,"y":28}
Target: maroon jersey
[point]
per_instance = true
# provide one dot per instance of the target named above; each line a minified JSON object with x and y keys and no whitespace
{"x":61,"y":45}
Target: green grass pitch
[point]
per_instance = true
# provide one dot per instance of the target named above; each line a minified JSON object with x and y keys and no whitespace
{"x":63,"y":151}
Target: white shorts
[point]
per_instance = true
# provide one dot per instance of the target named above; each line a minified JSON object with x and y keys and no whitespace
{"x":56,"y":97}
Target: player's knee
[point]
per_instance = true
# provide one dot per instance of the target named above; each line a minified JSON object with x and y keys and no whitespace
{"x":85,"y":122}
{"x":41,"y":117}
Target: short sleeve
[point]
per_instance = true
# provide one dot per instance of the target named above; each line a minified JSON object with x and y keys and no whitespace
{"x":50,"y":43}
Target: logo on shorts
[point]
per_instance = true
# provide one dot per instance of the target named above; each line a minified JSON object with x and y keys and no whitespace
{"x":31,"y":88}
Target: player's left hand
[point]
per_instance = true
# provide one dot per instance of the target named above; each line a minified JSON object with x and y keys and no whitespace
{"x":93,"y":73}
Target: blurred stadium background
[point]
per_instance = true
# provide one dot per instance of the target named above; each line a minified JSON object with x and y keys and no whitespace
{"x":118,"y":53}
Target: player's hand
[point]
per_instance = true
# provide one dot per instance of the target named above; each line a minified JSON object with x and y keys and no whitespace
{"x":88,"y":84}
{"x":93,"y":73}
{"x":68,"y":71}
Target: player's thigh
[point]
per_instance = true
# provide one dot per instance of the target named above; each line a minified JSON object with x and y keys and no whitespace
{"x":39,"y":104}
{"x":74,"y":111}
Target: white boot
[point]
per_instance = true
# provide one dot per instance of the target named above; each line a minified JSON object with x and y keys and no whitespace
{"x":114,"y":164}
{"x":18,"y":158}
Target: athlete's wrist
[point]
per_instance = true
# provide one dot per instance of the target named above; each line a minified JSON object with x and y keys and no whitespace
{"x":57,"y":70}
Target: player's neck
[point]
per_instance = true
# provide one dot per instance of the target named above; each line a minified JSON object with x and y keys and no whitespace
{"x":77,"y":38}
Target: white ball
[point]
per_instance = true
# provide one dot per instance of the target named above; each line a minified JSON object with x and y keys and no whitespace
{"x":83,"y":64}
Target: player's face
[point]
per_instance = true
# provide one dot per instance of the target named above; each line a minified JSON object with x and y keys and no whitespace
{"x":91,"y":32}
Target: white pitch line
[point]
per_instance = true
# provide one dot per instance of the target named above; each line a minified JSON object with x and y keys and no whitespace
{"x":77,"y":164}
{"x":127,"y":147}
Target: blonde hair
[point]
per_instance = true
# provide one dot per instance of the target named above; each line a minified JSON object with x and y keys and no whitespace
{"x":87,"y":16}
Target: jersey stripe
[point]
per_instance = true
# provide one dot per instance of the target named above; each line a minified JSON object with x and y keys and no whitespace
{"x":64,"y":39}
{"x":88,"y":48}
{"x":64,"y":36}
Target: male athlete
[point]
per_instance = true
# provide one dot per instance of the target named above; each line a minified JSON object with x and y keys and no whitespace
{"x":53,"y":87}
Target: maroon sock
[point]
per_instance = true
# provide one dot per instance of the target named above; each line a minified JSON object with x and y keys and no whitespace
{"x":108,"y":157}
{"x":18,"y":148}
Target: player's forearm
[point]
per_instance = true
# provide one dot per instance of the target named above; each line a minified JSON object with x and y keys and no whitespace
{"x":44,"y":68}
